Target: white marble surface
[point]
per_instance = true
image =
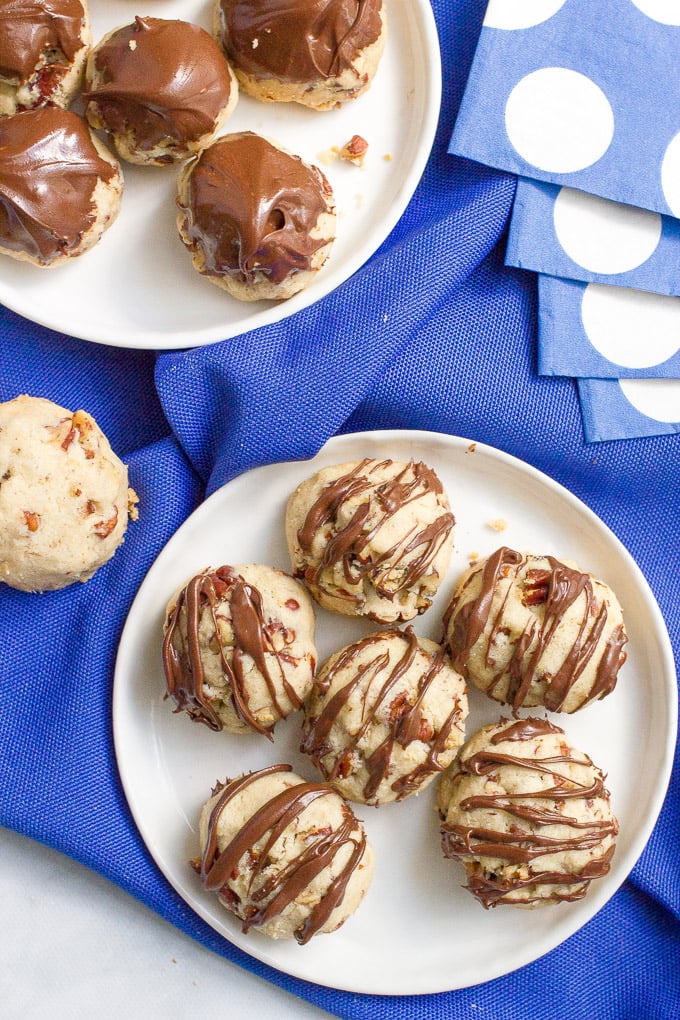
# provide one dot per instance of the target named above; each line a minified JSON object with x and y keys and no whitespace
{"x":72,"y":945}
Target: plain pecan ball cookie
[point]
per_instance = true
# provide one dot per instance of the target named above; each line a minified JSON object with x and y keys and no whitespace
{"x":64,"y":495}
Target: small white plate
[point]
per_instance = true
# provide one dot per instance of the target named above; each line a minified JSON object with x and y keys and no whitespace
{"x":137,"y":288}
{"x":418,"y":930}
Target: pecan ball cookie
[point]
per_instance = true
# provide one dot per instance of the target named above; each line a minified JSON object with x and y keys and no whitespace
{"x":287,"y":857}
{"x":258,"y":221}
{"x":386,"y":715}
{"x":161,"y":88}
{"x":528,"y":816}
{"x":320,"y":53}
{"x":64,"y":496}
{"x":238,"y":648}
{"x":371,"y":538}
{"x":533,"y":630}
{"x":43,"y":48}
{"x":60,"y":188}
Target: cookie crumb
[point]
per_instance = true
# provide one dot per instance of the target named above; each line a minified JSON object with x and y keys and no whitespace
{"x":354,"y":151}
{"x":497,"y":524}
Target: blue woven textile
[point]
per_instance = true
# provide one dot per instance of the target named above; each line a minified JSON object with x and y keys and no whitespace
{"x":457,"y":355}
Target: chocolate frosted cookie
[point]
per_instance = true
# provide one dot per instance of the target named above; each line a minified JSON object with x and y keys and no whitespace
{"x":258,"y":221}
{"x":527,"y":815}
{"x":238,"y":648}
{"x":161,"y":88}
{"x":60,"y":188}
{"x":531,"y":630}
{"x":64,"y":496}
{"x":371,"y":538}
{"x":43,"y":49}
{"x":287,"y":857}
{"x":386,"y":715}
{"x":316,"y":52}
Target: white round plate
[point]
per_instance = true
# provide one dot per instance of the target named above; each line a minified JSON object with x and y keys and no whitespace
{"x":137,"y":288}
{"x":418,"y":930}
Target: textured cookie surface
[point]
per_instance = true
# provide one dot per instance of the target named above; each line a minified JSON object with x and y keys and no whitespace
{"x":60,"y":188}
{"x":64,"y":497}
{"x":238,"y":647}
{"x":43,"y":48}
{"x":386,"y":715}
{"x":287,"y":857}
{"x":527,"y":815}
{"x":371,"y":538}
{"x":161,"y":88}
{"x":320,"y":53}
{"x":533,"y":630}
{"x":258,"y":221}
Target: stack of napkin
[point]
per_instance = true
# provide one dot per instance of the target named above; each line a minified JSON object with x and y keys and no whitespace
{"x":582,"y":102}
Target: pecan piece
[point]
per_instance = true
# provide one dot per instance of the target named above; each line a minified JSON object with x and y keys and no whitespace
{"x":536,"y":587}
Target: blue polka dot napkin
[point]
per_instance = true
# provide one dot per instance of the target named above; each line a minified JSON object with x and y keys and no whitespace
{"x":572,"y":96}
{"x":590,"y":329}
{"x":579,"y":93}
{"x":565,"y":232}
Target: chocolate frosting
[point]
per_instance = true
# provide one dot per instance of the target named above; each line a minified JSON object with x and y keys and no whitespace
{"x":182,"y":651}
{"x":558,"y":589}
{"x":269,"y":895}
{"x":298,"y":40}
{"x":30,"y":29}
{"x":252,"y":208}
{"x":49,"y":168}
{"x":348,"y":545}
{"x":161,"y":80}
{"x":406,"y":720}
{"x":524,"y":844}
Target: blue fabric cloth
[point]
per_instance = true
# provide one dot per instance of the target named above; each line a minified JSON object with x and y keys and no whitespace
{"x":457,"y":354}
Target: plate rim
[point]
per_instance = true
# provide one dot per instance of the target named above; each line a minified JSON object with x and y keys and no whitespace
{"x":656,"y":800}
{"x":145,"y":339}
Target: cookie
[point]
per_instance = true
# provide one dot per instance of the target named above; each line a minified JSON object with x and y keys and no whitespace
{"x":528,"y":816}
{"x":43,"y":48}
{"x":60,"y":188}
{"x":259,"y":222}
{"x":371,"y":538}
{"x":64,"y":496}
{"x":287,"y":857}
{"x":386,"y":716}
{"x":532,"y":630}
{"x":320,"y":53}
{"x":162,"y":89}
{"x":238,"y":648}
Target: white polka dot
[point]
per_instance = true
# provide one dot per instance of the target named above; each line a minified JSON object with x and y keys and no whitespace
{"x":520,"y":13}
{"x":631,"y":327}
{"x":559,"y":120}
{"x":670,"y":175}
{"x":604,"y":236}
{"x":655,"y":398}
{"x":665,"y":11}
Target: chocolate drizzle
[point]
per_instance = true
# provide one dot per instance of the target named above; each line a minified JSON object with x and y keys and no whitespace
{"x":34,"y":32}
{"x":376,"y":679}
{"x":182,"y":660}
{"x":398,"y":568}
{"x":298,"y":40}
{"x":252,"y":210}
{"x":271,"y":891}
{"x":166,"y":82}
{"x":557,"y":590}
{"x":49,"y":168}
{"x":530,"y":811}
